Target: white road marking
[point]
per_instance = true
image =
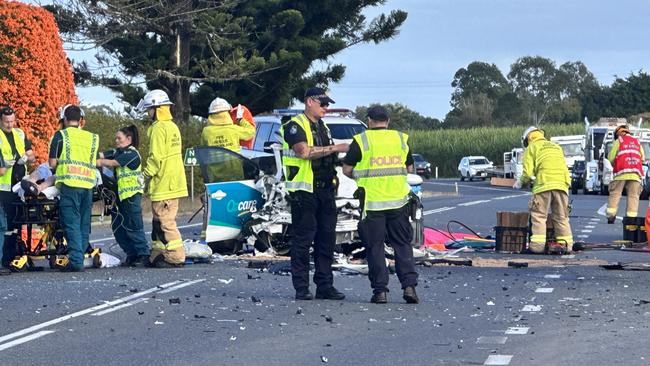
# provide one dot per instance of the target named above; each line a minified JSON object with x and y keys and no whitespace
{"x":22,"y":340}
{"x":492,"y":340}
{"x":602,"y":211}
{"x":583,"y":236}
{"x":544,"y":290}
{"x":553,"y":276}
{"x":92,"y":309}
{"x":115,"y":308}
{"x":498,"y":360}
{"x":512,"y":196}
{"x":590,"y":226}
{"x":146,"y":233}
{"x":442,"y":209}
{"x":532,"y":308}
{"x":471,"y":187}
{"x":517,"y":330}
{"x":181,"y":286}
{"x":472,"y":203}
{"x":586,"y":230}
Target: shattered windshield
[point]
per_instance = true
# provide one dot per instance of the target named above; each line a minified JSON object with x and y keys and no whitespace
{"x":222,"y":165}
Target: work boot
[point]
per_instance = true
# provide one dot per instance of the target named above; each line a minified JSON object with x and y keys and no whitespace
{"x":141,"y":261}
{"x":379,"y":298}
{"x":304,"y":294}
{"x":611,"y":220}
{"x":159,"y":262}
{"x":129,"y":261}
{"x":410,"y":296}
{"x":329,"y":293}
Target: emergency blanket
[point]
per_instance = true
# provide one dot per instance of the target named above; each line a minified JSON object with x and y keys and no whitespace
{"x":439,"y":240}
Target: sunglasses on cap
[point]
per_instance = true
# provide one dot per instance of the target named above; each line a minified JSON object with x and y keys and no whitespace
{"x":7,"y":111}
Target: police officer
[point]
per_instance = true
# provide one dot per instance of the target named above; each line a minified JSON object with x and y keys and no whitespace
{"x":16,"y":151}
{"x":627,"y":157}
{"x":73,"y":155}
{"x":165,"y":170}
{"x":308,"y":158}
{"x":544,"y":160}
{"x":379,"y":160}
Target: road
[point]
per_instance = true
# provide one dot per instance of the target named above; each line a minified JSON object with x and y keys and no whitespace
{"x":226,"y":313}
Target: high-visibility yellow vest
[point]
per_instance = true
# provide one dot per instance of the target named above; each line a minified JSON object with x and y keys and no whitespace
{"x":382,"y":169}
{"x":129,"y":181}
{"x":76,"y":167}
{"x":304,"y":179}
{"x":7,"y":154}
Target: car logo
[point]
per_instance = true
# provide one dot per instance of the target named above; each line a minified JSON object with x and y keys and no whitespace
{"x":218,"y":195}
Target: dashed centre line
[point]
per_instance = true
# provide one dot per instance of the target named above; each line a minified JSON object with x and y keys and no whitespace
{"x":498,"y":360}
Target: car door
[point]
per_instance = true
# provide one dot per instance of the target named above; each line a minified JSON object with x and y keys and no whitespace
{"x":462,"y":168}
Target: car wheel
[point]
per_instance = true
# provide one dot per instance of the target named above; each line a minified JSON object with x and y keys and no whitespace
{"x":574,"y":189}
{"x":462,"y":177}
{"x":427,"y":175}
{"x":469,"y":177}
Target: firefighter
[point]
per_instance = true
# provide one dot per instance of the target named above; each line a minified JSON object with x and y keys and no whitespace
{"x":73,"y":156}
{"x":221,"y":131}
{"x":166,"y":174}
{"x":308,"y":158}
{"x":16,"y":151}
{"x":379,"y":160}
{"x":545,"y":161}
{"x":626,"y":157}
{"x":126,"y":215}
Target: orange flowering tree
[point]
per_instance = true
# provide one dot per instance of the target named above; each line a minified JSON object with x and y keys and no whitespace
{"x":35,"y":75}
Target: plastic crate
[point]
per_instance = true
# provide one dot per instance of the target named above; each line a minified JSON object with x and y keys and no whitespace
{"x":511,"y":239}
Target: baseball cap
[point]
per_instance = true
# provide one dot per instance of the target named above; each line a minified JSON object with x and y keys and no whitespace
{"x":377,"y":113}
{"x":320,"y":94}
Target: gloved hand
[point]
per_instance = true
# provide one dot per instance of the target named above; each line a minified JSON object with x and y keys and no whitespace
{"x":22,"y":160}
{"x":517,"y":184}
{"x":10,"y":163}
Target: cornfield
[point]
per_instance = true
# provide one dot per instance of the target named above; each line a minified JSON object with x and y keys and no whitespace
{"x":445,"y":148}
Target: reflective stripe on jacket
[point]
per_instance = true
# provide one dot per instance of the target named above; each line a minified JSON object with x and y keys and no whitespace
{"x":8,"y":154}
{"x":381,"y":172}
{"x":76,"y":167}
{"x":545,"y":161}
{"x":129,"y":181}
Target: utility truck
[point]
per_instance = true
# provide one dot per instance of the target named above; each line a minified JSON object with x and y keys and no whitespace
{"x":572,"y":146}
{"x":512,"y":165}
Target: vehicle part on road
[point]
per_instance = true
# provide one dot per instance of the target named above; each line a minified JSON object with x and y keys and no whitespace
{"x":632,"y":266}
{"x":515,"y":264}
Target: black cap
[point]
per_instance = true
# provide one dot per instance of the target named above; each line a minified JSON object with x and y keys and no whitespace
{"x":378,"y":113}
{"x":320,"y":94}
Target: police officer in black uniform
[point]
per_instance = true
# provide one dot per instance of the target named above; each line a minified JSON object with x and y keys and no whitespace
{"x":314,"y":213}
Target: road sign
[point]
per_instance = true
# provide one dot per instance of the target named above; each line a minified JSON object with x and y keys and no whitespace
{"x":190,"y":159}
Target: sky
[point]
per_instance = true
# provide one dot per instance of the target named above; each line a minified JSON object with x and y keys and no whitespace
{"x":440,"y":36}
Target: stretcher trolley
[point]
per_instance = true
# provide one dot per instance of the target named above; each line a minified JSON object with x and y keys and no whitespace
{"x":40,"y":236}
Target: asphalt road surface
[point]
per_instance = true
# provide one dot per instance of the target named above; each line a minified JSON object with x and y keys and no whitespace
{"x":227,"y":314}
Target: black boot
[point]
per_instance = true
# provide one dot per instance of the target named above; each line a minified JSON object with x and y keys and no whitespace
{"x":410,"y":296}
{"x":304,"y":294}
{"x":379,"y":298}
{"x":329,"y":293}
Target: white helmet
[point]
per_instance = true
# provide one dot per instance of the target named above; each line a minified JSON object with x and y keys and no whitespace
{"x":524,"y":137}
{"x":154,"y":98}
{"x":62,"y":111}
{"x":219,"y":105}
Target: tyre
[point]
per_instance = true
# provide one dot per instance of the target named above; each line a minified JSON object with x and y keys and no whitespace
{"x":462,"y":178}
{"x":574,"y":189}
{"x":469,"y":177}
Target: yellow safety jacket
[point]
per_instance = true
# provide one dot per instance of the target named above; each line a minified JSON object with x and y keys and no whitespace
{"x":382,"y":169}
{"x":545,"y":161}
{"x":129,"y":181}
{"x":165,"y":160}
{"x":221,"y":132}
{"x":7,"y":154}
{"x":76,"y":167}
{"x":304,"y":179}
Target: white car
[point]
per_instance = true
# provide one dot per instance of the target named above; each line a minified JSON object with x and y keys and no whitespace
{"x":471,"y":167}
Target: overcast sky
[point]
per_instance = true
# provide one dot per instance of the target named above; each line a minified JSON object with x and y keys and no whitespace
{"x":440,"y":36}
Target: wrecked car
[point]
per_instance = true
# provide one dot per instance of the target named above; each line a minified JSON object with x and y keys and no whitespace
{"x":245,"y":203}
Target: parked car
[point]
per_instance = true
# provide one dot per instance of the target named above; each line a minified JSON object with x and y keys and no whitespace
{"x":341,"y":122}
{"x":422,"y":167}
{"x":577,"y":173}
{"x":471,"y":167}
